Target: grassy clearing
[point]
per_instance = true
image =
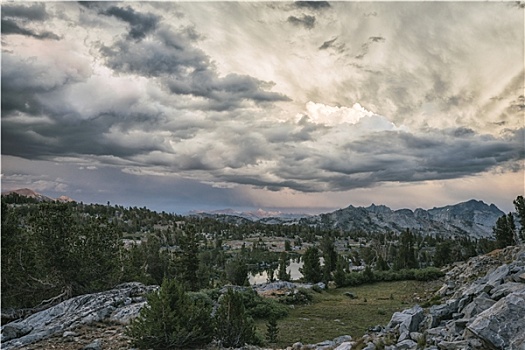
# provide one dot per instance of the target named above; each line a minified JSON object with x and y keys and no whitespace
{"x":332,"y":314}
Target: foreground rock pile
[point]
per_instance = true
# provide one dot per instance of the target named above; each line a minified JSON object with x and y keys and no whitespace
{"x":481,"y":306}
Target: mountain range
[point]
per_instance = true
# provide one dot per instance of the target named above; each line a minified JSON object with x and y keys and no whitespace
{"x":472,"y":218}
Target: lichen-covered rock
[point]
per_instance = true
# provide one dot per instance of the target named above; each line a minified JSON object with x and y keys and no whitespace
{"x":71,"y":313}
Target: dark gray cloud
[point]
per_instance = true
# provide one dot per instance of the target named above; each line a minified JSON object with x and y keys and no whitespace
{"x":11,"y":27}
{"x":16,"y":18}
{"x":305,"y":21}
{"x":376,"y":39}
{"x":186,"y":70}
{"x":173,"y":54}
{"x":314,"y":5}
{"x":437,"y":155}
{"x":141,"y":23}
{"x":35,"y":12}
{"x":365,"y":47}
{"x":327,"y":44}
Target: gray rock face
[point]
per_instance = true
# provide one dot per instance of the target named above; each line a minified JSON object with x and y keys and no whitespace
{"x":472,"y":218}
{"x":478,"y":305}
{"x":74,"y":312}
{"x":503,"y":325}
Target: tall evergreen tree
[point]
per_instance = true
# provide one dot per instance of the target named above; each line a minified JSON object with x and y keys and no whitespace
{"x":443,"y":254}
{"x":311,"y":269}
{"x":519,"y":204}
{"x":234,"y":327}
{"x":282,"y":275}
{"x":237,"y":272}
{"x":340,"y":273}
{"x":406,"y":256}
{"x":504,"y":231}
{"x":189,"y":259}
{"x":329,"y":256}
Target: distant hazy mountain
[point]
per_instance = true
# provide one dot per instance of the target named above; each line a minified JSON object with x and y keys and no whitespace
{"x":473,"y":218}
{"x":26,"y":192}
{"x":260,"y":215}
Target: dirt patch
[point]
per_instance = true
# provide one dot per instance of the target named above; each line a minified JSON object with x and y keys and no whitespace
{"x":111,"y":337}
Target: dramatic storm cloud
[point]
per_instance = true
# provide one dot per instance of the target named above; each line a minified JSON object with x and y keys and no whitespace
{"x":298,"y":105}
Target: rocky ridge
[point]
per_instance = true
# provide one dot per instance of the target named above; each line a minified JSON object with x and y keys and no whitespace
{"x":472,"y":219}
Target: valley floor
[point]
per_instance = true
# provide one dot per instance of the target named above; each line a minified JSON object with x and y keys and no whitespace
{"x":331,"y":314}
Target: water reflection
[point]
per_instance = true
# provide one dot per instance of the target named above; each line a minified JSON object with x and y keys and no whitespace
{"x":292,"y":269}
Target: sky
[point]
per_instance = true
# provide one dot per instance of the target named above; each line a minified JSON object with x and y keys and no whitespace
{"x":291,"y":106}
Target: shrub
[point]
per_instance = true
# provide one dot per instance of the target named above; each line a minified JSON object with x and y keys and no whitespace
{"x":172,"y":319}
{"x":268,"y":308}
{"x":428,"y":274}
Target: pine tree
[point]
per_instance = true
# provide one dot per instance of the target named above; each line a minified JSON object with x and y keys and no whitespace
{"x":443,"y":254}
{"x":172,"y":320}
{"x":234,"y":327}
{"x":505,"y":231}
{"x":340,"y":274}
{"x":272,"y":330}
{"x":330,"y":258}
{"x":237,"y":272}
{"x":311,"y":269}
{"x":406,"y":256}
{"x":381,"y":264}
{"x":189,"y":260}
{"x":282,"y":275}
{"x":519,"y":204}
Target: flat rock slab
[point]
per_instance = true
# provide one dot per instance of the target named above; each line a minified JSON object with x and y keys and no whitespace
{"x":74,"y":312}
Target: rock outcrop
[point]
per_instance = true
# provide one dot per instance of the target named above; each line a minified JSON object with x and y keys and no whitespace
{"x":118,"y":305}
{"x":483,"y":307}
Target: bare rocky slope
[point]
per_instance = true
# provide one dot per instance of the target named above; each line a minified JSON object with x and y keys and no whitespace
{"x":481,"y":305}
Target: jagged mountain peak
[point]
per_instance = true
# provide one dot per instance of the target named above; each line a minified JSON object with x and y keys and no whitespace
{"x":472,"y":218}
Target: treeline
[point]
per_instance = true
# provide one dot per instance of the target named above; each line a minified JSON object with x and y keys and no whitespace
{"x":51,"y":250}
